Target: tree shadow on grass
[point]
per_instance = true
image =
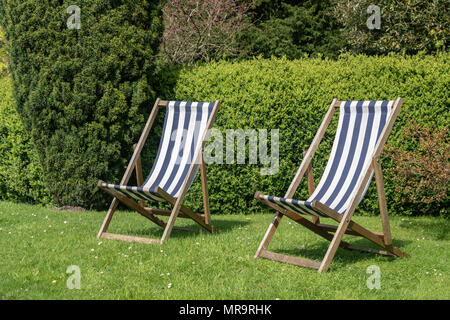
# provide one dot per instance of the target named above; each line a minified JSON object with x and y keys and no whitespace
{"x":317,"y":251}
{"x":434,"y":230}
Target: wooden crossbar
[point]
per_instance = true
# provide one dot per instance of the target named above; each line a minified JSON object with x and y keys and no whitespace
{"x":301,"y":262}
{"x":122,"y":237}
{"x":166,"y":213}
{"x":349,"y":231}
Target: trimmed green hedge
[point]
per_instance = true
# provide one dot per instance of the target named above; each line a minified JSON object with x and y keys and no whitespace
{"x":20,"y":171}
{"x":293,"y":96}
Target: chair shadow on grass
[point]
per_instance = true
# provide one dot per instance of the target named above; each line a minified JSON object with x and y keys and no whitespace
{"x":153,"y":231}
{"x":316,"y":251}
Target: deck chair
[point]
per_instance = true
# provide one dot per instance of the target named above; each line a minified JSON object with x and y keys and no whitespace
{"x":177,"y":161}
{"x":362,"y":131}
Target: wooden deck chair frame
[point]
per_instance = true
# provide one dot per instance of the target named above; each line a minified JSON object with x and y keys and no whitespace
{"x":346,"y":225}
{"x":178,"y":209}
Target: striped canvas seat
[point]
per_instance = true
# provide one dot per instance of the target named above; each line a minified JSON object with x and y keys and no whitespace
{"x":359,"y":128}
{"x":184,"y":126}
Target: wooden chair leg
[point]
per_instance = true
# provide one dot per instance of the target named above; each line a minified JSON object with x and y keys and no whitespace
{"x":269,"y":234}
{"x":204,"y":180}
{"x":311,"y":186}
{"x":177,"y":209}
{"x":170,"y":223}
{"x":382,"y":201}
{"x":185,"y":210}
{"x":139,"y":176}
{"x":109,"y":215}
{"x":334,"y":245}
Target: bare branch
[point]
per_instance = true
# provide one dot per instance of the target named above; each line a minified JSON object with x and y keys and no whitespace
{"x":200,"y":30}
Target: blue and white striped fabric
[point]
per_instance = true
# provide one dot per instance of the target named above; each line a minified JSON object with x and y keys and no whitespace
{"x":184,"y":126}
{"x":359,"y":128}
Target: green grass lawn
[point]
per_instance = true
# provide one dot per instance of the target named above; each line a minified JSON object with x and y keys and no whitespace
{"x":39,"y":244}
